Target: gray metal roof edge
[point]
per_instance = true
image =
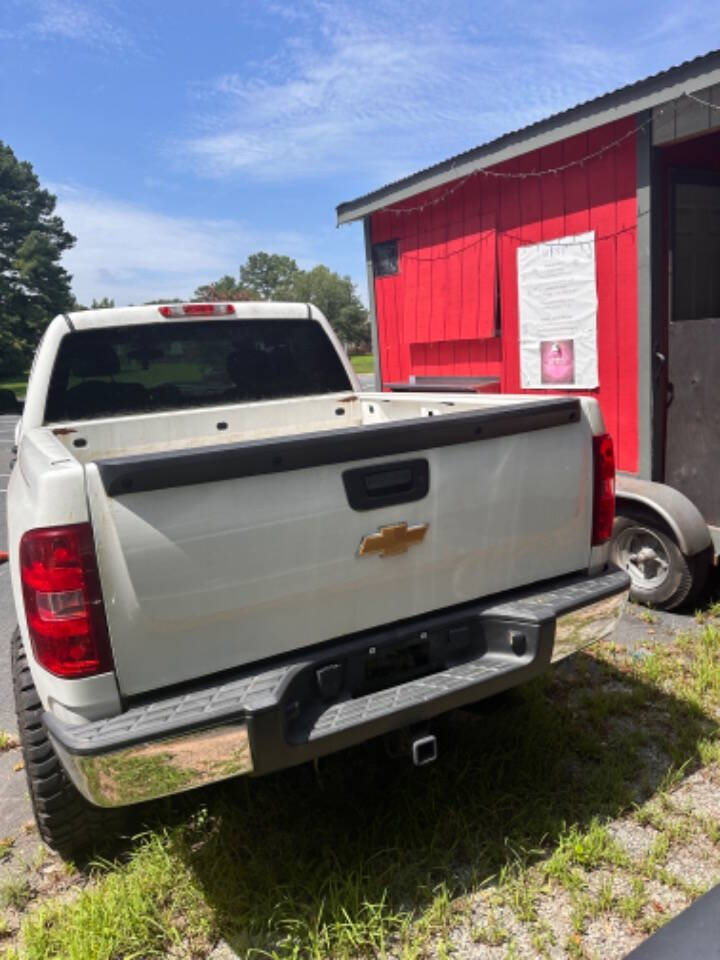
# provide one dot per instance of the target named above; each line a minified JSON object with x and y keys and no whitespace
{"x":688,"y":77}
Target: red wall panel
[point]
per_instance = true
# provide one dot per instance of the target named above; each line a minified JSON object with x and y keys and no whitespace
{"x":437,"y":315}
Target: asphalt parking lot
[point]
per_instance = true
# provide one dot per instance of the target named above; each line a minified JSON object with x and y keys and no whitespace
{"x":15,"y":809}
{"x":7,"y":615}
{"x":7,"y":428}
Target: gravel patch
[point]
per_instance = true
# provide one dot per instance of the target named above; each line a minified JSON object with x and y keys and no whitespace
{"x":695,"y":863}
{"x":620,"y":882}
{"x":664,"y":901}
{"x":494,"y":932}
{"x":700,"y":794}
{"x":553,"y":912}
{"x":486,"y":932}
{"x":636,"y":840}
{"x":222,"y":952}
{"x":610,"y":937}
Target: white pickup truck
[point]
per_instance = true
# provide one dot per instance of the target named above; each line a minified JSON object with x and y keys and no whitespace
{"x":227,"y":560}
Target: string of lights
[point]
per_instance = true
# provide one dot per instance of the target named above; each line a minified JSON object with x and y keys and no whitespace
{"x":476,"y":241}
{"x":548,"y":171}
{"x":704,"y":103}
{"x":492,"y":235}
{"x":523,"y":175}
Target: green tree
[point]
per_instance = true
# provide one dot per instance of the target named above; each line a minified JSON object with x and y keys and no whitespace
{"x":337,"y":298}
{"x":269,"y":275}
{"x":226,"y":288}
{"x":102,"y":304}
{"x":33,"y":285}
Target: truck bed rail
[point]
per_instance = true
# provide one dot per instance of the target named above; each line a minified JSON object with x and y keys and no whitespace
{"x":177,"y":468}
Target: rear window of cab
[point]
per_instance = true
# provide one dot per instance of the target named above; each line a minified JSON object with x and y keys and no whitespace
{"x":143,"y":368}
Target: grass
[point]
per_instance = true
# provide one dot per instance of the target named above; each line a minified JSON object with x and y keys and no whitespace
{"x":7,"y":741}
{"x":646,"y":615}
{"x":133,"y":776}
{"x":18,"y":387}
{"x":582,"y":849}
{"x":15,"y":893}
{"x":363,"y":363}
{"x":171,"y":372}
{"x":129,"y":919}
{"x":370,"y":858}
{"x":159,"y":373}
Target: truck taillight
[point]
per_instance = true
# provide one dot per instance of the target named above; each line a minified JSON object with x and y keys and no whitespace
{"x":63,"y":601}
{"x":197,"y":310}
{"x":604,"y":489}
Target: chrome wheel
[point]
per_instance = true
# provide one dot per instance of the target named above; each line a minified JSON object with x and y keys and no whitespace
{"x":641,"y":552}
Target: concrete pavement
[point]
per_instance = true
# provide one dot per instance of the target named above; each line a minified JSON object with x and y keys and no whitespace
{"x":7,"y":612}
{"x":15,"y":810}
{"x":7,"y":429}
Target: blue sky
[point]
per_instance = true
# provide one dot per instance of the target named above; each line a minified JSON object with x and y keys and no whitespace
{"x":180,"y":137}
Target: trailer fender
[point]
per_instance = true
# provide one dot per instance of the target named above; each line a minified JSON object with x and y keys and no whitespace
{"x":680,"y":514}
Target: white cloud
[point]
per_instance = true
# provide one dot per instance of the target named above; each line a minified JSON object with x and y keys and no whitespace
{"x":80,"y":21}
{"x":378,"y":91}
{"x":382,"y":87}
{"x":676,"y":22}
{"x":132,"y":254}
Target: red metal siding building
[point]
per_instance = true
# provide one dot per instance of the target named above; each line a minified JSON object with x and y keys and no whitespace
{"x":635,"y":166}
{"x":441,"y":314}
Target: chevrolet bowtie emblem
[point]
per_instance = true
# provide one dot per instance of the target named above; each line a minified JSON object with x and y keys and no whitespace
{"x":393,"y":540}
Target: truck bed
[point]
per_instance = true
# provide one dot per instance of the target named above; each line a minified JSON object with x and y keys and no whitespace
{"x":233,"y":424}
{"x":229,"y":535}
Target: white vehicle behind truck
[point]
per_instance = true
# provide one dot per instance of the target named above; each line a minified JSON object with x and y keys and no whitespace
{"x":228,"y":560}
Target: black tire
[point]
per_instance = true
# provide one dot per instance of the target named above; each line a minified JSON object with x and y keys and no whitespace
{"x":65,"y":820}
{"x":666,"y":581}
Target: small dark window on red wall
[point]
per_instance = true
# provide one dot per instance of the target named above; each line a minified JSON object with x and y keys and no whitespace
{"x":385,"y":258}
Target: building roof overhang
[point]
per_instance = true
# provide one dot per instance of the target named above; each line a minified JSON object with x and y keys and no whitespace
{"x":692,"y":76}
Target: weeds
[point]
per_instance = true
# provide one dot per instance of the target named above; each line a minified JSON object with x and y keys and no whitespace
{"x":7,"y":741}
{"x":492,"y":932}
{"x":646,"y":615}
{"x":384,"y":859}
{"x":632,"y":905}
{"x":15,"y":893}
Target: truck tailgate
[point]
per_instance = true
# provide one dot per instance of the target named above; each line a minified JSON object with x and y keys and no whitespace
{"x":221,"y":556}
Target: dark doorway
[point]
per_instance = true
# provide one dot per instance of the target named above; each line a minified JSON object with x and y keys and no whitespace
{"x":692,"y":450}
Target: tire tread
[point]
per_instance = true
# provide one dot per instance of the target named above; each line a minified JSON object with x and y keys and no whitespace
{"x":691,"y":572}
{"x":67,"y":822}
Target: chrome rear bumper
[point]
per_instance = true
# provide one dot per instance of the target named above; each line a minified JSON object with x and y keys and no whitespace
{"x":159,"y":768}
{"x":336,"y":695}
{"x":582,"y":627}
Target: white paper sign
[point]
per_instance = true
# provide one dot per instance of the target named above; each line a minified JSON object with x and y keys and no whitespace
{"x":557,"y":295}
